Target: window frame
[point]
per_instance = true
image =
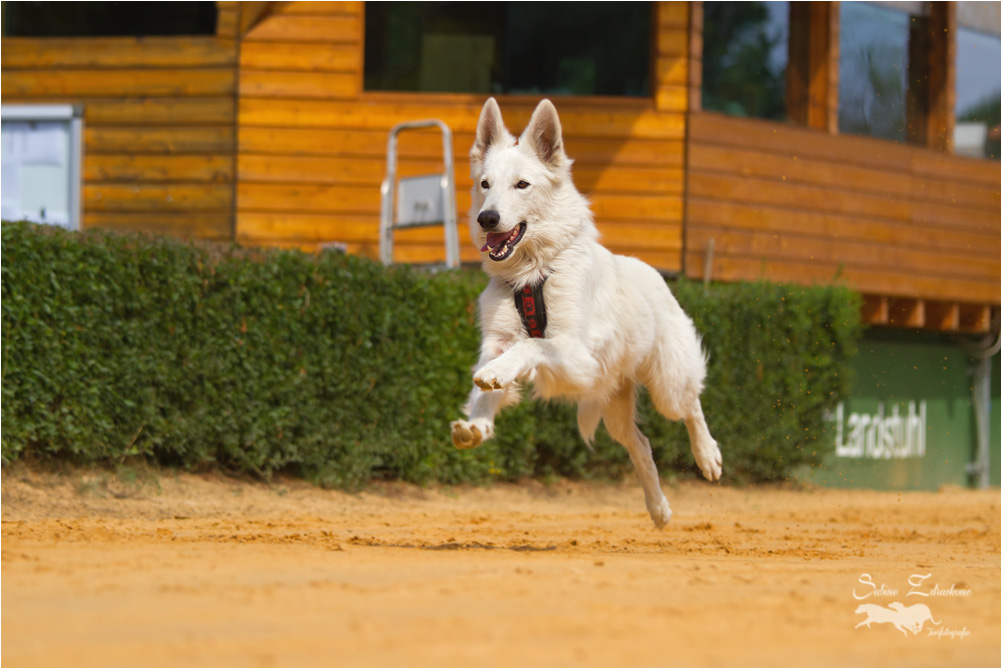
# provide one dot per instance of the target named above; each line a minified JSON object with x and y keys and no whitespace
{"x":648,"y":102}
{"x":812,"y":94}
{"x":131,"y":34}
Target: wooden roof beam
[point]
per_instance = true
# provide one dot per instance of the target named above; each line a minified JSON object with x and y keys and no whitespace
{"x":975,"y":318}
{"x":942,"y":316}
{"x":875,"y":310}
{"x":906,"y":312}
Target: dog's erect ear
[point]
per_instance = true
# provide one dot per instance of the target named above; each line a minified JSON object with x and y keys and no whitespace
{"x":490,"y":130}
{"x":543,"y":135}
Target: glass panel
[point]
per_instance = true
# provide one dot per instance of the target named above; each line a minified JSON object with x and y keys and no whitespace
{"x":873,"y":68}
{"x":745,"y":58}
{"x":551,"y":48}
{"x":108,"y":19}
{"x":977,"y":102}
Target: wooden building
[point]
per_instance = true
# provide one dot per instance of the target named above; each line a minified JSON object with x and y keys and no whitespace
{"x":266,"y":132}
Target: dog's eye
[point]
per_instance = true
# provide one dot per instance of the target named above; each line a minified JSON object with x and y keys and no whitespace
{"x":522,"y":184}
{"x":485,"y":184}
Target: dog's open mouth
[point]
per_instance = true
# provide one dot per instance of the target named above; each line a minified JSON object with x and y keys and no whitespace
{"x":501,"y":245}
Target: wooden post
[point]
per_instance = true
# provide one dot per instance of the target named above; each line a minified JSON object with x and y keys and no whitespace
{"x":823,"y":84}
{"x":796,"y":95}
{"x":251,"y":13}
{"x":941,"y":96}
{"x":812,"y":96}
{"x":695,"y":56}
{"x":930,"y":93}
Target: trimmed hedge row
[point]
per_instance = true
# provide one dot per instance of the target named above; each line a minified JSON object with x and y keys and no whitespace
{"x":343,"y":371}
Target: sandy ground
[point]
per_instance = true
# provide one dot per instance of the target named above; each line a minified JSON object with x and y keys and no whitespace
{"x":164,"y":570}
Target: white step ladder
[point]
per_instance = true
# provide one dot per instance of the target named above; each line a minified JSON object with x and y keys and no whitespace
{"x":428,"y":200}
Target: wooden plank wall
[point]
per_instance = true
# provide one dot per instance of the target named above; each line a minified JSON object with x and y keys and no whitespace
{"x":897,"y":222}
{"x":159,"y":123}
{"x":312,"y":142}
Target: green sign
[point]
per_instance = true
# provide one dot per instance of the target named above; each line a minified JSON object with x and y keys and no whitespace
{"x":909,"y":422}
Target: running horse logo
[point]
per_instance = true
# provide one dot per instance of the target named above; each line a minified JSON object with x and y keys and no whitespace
{"x":906,"y":619}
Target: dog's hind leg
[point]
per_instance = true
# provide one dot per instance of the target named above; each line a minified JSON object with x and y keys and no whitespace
{"x":675,"y":377}
{"x":619,"y":416}
{"x":674,"y":401}
{"x":705,"y":450}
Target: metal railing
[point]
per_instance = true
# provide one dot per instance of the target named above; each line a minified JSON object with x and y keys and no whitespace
{"x":413,"y":202}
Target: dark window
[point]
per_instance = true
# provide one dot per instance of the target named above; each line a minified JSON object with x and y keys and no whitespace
{"x":977,"y":102}
{"x":108,"y":19}
{"x":552,"y":48}
{"x":873,"y":70}
{"x":745,"y":58}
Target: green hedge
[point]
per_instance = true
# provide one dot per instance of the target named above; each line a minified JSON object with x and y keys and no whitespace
{"x":338,"y":369}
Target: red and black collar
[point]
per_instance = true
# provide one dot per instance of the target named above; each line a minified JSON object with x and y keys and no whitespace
{"x":532,"y":308}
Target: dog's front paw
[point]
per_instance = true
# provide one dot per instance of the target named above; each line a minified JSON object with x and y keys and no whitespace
{"x":467,"y":434}
{"x":493,"y":377}
{"x":708,"y":458}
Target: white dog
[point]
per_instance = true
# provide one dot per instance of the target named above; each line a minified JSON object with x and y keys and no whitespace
{"x":565,"y":313}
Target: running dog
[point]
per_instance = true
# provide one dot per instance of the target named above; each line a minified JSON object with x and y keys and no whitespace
{"x":563,"y":312}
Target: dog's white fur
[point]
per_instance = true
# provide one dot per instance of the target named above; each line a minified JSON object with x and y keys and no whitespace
{"x":612,"y":322}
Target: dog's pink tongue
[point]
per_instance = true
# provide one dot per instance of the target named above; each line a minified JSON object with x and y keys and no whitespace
{"x":495,"y":239}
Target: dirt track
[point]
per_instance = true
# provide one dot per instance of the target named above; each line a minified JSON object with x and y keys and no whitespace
{"x":207,"y":571}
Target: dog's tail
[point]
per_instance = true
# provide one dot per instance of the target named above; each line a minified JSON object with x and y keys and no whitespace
{"x":589,"y":416}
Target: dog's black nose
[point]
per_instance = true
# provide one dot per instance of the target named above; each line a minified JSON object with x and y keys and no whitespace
{"x":488,"y":219}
